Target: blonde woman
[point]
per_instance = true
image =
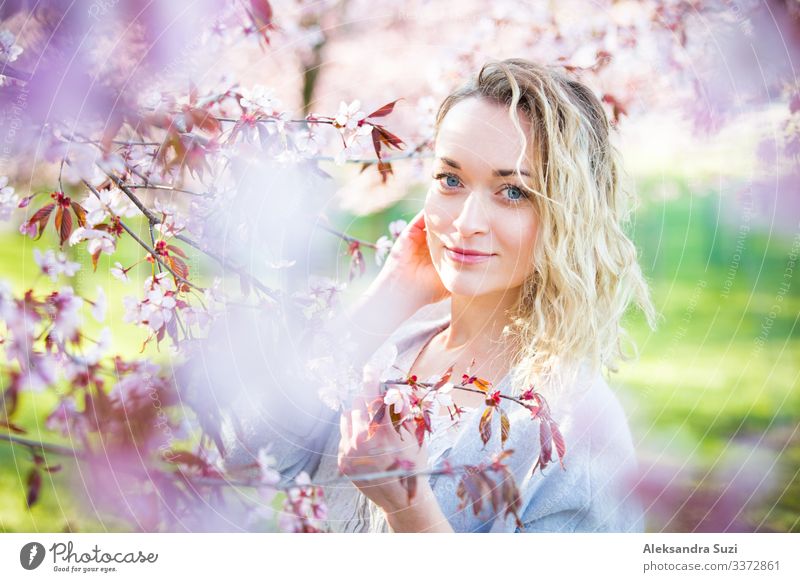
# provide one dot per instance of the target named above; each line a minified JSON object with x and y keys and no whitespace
{"x":518,"y":262}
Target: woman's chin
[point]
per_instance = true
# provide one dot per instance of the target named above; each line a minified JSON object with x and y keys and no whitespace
{"x":463,"y":286}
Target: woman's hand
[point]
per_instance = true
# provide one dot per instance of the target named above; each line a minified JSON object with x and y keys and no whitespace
{"x":409,"y":266}
{"x":360,"y":454}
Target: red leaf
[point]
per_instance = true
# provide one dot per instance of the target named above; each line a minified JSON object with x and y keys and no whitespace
{"x":558,"y":439}
{"x":545,"y":440}
{"x":80,"y":213}
{"x":177,"y":250}
{"x":485,"y":426}
{"x":419,"y":432}
{"x":34,"y":484}
{"x":376,"y":421}
{"x":495,"y":491}
{"x":63,"y":224}
{"x":40,"y":217}
{"x":262,"y":10}
{"x":184,"y":458}
{"x":396,"y":420}
{"x":181,"y":269}
{"x":385,"y":110}
{"x":388,"y":138}
{"x":481,"y":384}
{"x":505,"y":427}
{"x":445,"y":378}
{"x":204,"y":120}
{"x":95,"y":258}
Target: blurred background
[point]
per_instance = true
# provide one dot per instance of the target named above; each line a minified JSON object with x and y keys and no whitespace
{"x":705,"y":104}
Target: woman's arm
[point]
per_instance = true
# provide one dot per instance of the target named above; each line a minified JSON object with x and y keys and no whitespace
{"x":422,"y":515}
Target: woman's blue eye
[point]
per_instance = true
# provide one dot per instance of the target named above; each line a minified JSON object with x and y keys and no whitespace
{"x":452,"y":181}
{"x":515,"y":193}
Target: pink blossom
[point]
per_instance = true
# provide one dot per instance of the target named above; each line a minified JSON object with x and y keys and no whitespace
{"x":384,"y":246}
{"x":110,"y":202}
{"x":348,"y":122}
{"x":66,"y":313}
{"x":53,"y":264}
{"x":9,"y":50}
{"x":120,"y":272}
{"x":99,"y":240}
{"x":158,"y":306}
{"x":8,"y":200}
{"x":400,"y":397}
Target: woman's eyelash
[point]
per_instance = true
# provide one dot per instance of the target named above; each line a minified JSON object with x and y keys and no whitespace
{"x":525,"y":195}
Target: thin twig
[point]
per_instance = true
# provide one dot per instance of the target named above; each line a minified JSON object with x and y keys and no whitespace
{"x":147,"y":247}
{"x":49,"y":447}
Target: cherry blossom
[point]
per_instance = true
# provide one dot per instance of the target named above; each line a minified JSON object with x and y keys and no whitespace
{"x":259,"y":99}
{"x":9,"y":51}
{"x":66,"y":315}
{"x":8,"y":199}
{"x":384,"y":245}
{"x":171,"y":223}
{"x":158,"y":306}
{"x":99,"y":240}
{"x":350,"y":122}
{"x":399,"y":397}
{"x":120,"y":272}
{"x":54,"y":264}
{"x":110,"y":202}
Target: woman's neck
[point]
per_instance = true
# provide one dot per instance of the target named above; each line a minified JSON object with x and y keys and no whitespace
{"x":477,"y":322}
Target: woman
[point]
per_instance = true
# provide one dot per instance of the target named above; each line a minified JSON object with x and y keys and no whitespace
{"x":520,"y":248}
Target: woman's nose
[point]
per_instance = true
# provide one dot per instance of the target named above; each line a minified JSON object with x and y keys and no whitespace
{"x":473,"y":217}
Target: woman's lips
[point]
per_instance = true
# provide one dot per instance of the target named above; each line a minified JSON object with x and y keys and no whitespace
{"x":463,"y":259}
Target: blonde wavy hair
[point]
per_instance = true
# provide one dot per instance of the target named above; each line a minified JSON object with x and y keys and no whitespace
{"x":586,"y":273}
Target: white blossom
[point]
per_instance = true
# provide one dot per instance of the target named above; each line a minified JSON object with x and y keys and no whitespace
{"x":53,"y":264}
{"x":9,"y":201}
{"x":9,"y":51}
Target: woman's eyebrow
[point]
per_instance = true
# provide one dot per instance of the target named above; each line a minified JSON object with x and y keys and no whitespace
{"x":500,"y":173}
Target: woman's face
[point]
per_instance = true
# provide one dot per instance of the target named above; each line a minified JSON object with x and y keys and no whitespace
{"x":477,"y":203}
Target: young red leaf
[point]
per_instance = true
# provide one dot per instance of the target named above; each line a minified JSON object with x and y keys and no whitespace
{"x":558,"y":439}
{"x":419,"y":431}
{"x":494,"y":490}
{"x":505,"y":427}
{"x":396,"y":420}
{"x":181,"y":269}
{"x":177,"y":250}
{"x":376,"y":421}
{"x":80,"y":213}
{"x":485,"y":426}
{"x":40,"y":218}
{"x":481,"y":384}
{"x":445,"y":378}
{"x":388,"y":138}
{"x":385,"y":110}
{"x":184,"y":458}
{"x":64,"y":226}
{"x":34,"y":485}
{"x":95,"y":257}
